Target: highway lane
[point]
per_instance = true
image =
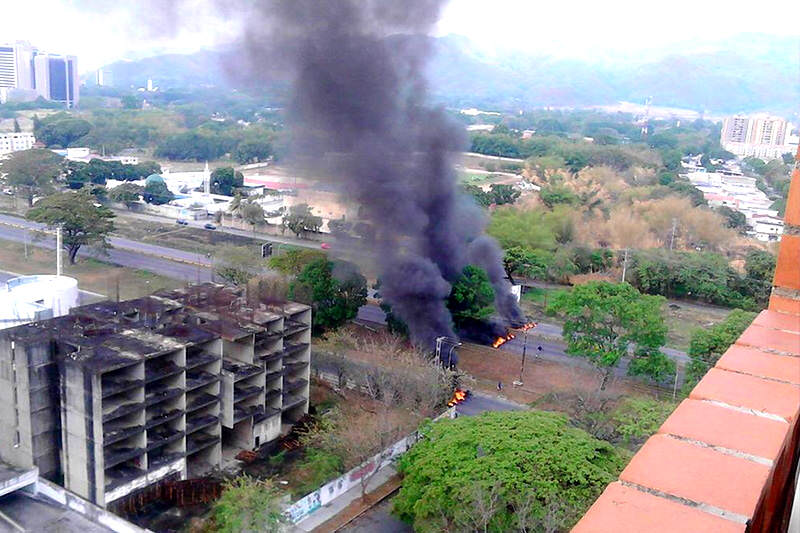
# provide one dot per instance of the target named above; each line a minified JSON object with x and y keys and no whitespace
{"x":129,"y":254}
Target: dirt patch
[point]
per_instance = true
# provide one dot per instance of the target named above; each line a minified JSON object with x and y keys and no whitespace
{"x":488,"y":366}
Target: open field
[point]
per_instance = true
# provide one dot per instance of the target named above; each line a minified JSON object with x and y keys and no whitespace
{"x":92,"y":275}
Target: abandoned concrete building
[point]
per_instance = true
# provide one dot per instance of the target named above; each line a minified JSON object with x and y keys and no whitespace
{"x":117,"y":396}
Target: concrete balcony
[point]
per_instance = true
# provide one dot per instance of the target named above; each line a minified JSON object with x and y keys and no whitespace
{"x":161,"y":370}
{"x":198,"y":378}
{"x":113,"y":455}
{"x":199,"y":440}
{"x":241,"y":412}
{"x":242,"y":392}
{"x":198,"y":401}
{"x":196,"y":423}
{"x":200,"y":359}
{"x":159,"y":415}
{"x":115,"y":386}
{"x":162,"y":435}
{"x":116,"y":432}
{"x":241,"y":371}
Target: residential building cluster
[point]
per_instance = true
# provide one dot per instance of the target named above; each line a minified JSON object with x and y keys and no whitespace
{"x":117,"y":396}
{"x":731,"y":189}
{"x":16,"y":141}
{"x":762,"y":136}
{"x":27,"y":73}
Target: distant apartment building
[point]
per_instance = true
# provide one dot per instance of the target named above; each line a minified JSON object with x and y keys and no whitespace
{"x":104,"y":78}
{"x":25,"y":73}
{"x":761,"y":136}
{"x":15,"y":142}
{"x":57,"y":78}
{"x":117,"y":396}
{"x":16,"y":65}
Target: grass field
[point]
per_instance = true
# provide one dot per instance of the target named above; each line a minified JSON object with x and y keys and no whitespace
{"x":92,"y":275}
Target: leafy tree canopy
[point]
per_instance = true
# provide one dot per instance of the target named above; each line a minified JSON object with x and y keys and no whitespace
{"x":707,"y":345}
{"x":334,"y":290}
{"x":471,"y":297}
{"x":81,"y":220}
{"x":225,"y":179}
{"x":157,"y":193}
{"x":509,"y":471}
{"x":32,"y":172}
{"x":248,"y":504}
{"x":61,"y":130}
{"x":300,"y":220}
{"x":604,"y":320}
{"x":127,"y":193}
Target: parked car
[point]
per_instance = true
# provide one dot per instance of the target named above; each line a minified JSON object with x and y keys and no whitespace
{"x":209,"y":226}
{"x":182,"y":222}
{"x":325,"y":246}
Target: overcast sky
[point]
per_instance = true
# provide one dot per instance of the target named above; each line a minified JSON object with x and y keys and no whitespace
{"x":568,"y":28}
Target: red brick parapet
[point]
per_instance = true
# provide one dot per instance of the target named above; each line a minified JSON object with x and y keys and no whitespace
{"x":726,"y":459}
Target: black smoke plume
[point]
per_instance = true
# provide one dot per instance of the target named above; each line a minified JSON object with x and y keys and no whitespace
{"x":359,"y":117}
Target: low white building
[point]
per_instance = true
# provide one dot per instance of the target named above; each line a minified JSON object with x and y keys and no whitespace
{"x":16,"y":142}
{"x":766,"y":228}
{"x":30,"y":298}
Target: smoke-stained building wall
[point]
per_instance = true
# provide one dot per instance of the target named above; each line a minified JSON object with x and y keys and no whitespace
{"x":117,"y":396}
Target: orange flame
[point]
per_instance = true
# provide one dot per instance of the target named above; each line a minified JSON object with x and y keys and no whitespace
{"x":526,"y":327}
{"x":499,"y":341}
{"x":459,"y":395}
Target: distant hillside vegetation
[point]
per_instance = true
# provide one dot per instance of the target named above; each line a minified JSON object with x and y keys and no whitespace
{"x":747,"y":73}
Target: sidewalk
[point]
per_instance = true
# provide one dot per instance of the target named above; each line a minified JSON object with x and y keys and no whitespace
{"x":326,"y":518}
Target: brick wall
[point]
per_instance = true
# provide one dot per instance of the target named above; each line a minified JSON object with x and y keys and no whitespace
{"x":726,"y":459}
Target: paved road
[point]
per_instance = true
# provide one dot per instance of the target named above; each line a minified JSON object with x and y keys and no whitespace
{"x":167,"y":262}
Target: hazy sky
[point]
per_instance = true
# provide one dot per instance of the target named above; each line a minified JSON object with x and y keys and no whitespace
{"x":579,"y":29}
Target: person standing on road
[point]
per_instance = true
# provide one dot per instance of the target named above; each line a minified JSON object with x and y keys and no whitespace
{"x":499,"y":385}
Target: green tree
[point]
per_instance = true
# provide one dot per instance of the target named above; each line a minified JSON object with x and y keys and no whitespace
{"x":334,"y":290}
{"x":129,"y":101}
{"x":247,"y":505}
{"x":253,"y":151}
{"x":252,"y":213}
{"x":707,"y":345}
{"x":502,"y":194}
{"x":157,"y":193}
{"x":17,"y":129}
{"x":126,"y":193}
{"x":552,"y":195}
{"x":503,"y":471}
{"x":301,"y":220}
{"x":238,"y":264}
{"x":604,"y":321}
{"x":760,"y":265}
{"x":81,"y":221}
{"x":225,"y":179}
{"x":32,"y":173}
{"x":294,"y":260}
{"x":471,"y":297}
{"x":733,"y":219}
{"x":61,"y":130}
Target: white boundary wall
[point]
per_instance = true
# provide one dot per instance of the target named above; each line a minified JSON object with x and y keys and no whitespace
{"x":305,"y":506}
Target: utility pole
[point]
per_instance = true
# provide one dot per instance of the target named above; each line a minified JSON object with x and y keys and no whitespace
{"x":519,"y":382}
{"x":58,"y":250}
{"x":624,"y":266}
{"x":672,"y":239}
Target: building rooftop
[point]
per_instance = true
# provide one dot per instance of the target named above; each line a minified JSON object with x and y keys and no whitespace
{"x":107,"y":335}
